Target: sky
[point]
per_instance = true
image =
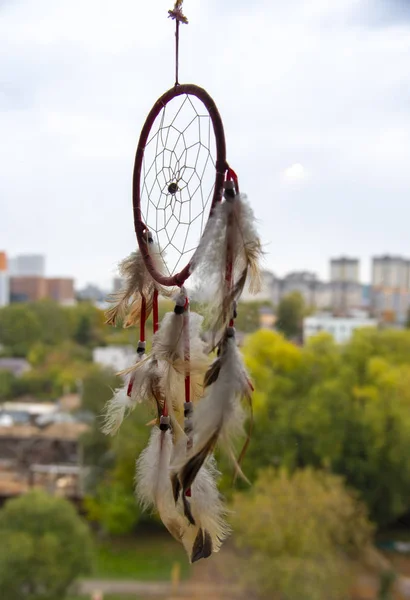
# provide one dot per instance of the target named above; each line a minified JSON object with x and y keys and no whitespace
{"x":314,"y":95}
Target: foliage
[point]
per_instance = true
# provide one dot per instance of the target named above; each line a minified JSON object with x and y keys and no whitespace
{"x":111,"y":501}
{"x":98,"y":386}
{"x":299,"y":531}
{"x":344,"y":408}
{"x":113,"y":506}
{"x":249,"y":316}
{"x":45,"y":547}
{"x":7,"y":380}
{"x":23,"y":325}
{"x":290,"y":312}
{"x":20,"y":328}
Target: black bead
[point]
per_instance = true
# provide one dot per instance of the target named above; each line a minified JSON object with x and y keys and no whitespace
{"x":173,"y":188}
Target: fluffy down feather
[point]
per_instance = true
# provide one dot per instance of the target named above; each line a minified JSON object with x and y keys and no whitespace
{"x":139,"y":285}
{"x":230,"y":237}
{"x":219,"y":415}
{"x":168,"y":347}
{"x":115,"y":411}
{"x":153,"y":489}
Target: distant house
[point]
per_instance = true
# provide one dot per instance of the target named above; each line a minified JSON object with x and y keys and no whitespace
{"x":341,"y":328}
{"x":17,"y":366}
{"x":116,"y":358}
{"x":49,"y":457}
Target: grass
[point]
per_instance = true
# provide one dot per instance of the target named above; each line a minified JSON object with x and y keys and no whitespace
{"x":148,"y":557}
{"x":109,"y":597}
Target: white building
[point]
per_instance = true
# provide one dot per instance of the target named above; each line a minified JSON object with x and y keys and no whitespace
{"x":28,"y":265}
{"x":341,"y":328}
{"x":4,"y":281}
{"x":116,"y":358}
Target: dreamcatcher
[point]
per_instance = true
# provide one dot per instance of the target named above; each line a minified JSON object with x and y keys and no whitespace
{"x":190,"y":219}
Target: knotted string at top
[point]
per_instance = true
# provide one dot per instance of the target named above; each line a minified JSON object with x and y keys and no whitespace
{"x":177,"y":15}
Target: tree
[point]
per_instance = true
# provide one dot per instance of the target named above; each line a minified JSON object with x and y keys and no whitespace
{"x":87,"y":324}
{"x":45,"y":547}
{"x":249,"y":316}
{"x":300,"y":533}
{"x":19,"y":328}
{"x":54,"y":321}
{"x":6,"y":384}
{"x":111,"y":502}
{"x":343,"y":408}
{"x":290,"y":313}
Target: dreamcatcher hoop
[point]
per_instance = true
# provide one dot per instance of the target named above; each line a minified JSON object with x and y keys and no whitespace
{"x":221,"y":167}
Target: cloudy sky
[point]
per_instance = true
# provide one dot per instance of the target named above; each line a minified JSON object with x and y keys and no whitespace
{"x":315,"y":97}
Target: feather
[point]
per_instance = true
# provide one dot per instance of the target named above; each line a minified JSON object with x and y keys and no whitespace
{"x":115,"y":411}
{"x":208,"y":528}
{"x":143,"y":388}
{"x":139,"y":285}
{"x":227,"y":257}
{"x":168,"y":347}
{"x":208,"y":513}
{"x":152,"y":477}
{"x":134,"y":271}
{"x":219,"y":415}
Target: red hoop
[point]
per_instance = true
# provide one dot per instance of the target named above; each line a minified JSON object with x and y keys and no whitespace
{"x":220,"y":167}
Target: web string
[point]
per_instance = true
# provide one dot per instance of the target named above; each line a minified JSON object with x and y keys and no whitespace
{"x":178,"y":178}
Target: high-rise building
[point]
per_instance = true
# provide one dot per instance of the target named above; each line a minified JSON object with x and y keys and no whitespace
{"x":344,"y":269}
{"x":27,"y":289}
{"x":28,"y":265}
{"x":345,"y":285}
{"x":60,"y":289}
{"x":390,"y":288}
{"x":4,"y":280}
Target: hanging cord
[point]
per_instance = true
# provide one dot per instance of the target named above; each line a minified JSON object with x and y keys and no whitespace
{"x":177,"y":15}
{"x":141,"y":343}
{"x":155,"y":321}
{"x":231,"y":190}
{"x":188,"y":403}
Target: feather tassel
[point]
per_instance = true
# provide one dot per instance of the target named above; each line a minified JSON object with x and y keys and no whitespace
{"x":154,"y":490}
{"x":227,"y":257}
{"x":127,"y":302}
{"x":219,"y":415}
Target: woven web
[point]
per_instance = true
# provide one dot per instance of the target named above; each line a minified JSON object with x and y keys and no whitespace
{"x":178,"y":178}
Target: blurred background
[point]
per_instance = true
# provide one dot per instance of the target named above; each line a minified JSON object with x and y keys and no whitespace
{"x":314,"y":96}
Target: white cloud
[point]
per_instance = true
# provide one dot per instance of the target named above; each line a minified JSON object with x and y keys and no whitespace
{"x":295,"y":172}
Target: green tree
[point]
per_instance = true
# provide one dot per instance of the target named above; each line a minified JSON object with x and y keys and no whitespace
{"x":45,"y":547}
{"x":6,"y":384}
{"x":290,"y":312}
{"x":343,"y":408}
{"x":19,"y":328}
{"x":300,"y":533}
{"x":249,"y":315}
{"x":54,"y":321}
{"x":111,"y":500}
{"x":87,"y":324}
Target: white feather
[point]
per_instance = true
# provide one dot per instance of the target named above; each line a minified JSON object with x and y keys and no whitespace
{"x":221,"y":409}
{"x":152,"y":470}
{"x":207,"y":507}
{"x":115,"y":411}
